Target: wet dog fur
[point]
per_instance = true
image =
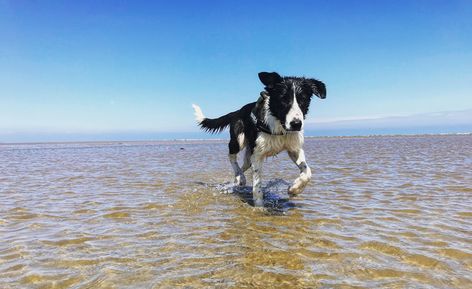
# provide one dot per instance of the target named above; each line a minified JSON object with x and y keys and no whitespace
{"x":265,"y":128}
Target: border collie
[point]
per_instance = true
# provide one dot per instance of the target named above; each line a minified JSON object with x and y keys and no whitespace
{"x":265,"y":128}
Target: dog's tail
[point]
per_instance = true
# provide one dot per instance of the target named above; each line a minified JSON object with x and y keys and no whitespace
{"x":214,"y":125}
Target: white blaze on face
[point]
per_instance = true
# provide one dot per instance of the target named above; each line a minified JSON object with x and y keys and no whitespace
{"x":294,"y":113}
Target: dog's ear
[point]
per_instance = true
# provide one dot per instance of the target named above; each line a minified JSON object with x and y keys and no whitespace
{"x":318,"y":88}
{"x":270,"y":78}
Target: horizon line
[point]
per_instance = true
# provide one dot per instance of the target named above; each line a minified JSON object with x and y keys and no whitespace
{"x":225,"y":139}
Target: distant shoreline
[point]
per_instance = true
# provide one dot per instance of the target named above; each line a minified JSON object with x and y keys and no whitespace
{"x":205,"y":140}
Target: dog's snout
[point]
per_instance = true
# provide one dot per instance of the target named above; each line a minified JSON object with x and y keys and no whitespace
{"x":296,"y":124}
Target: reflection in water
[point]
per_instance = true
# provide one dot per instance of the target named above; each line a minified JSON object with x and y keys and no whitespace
{"x":391,"y":212}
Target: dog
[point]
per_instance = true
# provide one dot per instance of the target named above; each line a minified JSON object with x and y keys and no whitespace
{"x":268,"y":126}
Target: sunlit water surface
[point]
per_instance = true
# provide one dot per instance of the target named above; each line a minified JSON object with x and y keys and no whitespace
{"x":381,"y":212}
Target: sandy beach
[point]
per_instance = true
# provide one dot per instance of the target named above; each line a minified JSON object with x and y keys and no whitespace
{"x":381,"y":212}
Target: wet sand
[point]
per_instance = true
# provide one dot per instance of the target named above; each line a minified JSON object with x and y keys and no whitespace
{"x":381,"y":212}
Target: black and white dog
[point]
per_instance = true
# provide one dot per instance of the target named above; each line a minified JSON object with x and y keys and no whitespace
{"x":272,"y":124}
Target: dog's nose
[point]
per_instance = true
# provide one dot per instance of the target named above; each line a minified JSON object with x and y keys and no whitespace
{"x":296,"y":124}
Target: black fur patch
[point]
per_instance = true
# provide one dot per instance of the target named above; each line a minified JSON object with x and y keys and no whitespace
{"x":279,"y":91}
{"x":282,"y":89}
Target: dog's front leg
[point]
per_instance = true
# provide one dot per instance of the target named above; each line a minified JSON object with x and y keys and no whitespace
{"x":257,"y":195}
{"x":298,"y":157}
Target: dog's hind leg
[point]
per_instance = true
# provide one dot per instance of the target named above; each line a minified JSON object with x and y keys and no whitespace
{"x":257,"y":194}
{"x":247,"y":160}
{"x":298,"y":157}
{"x":239,"y":178}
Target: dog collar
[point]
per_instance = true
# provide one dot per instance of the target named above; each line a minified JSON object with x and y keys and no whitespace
{"x":261,"y":126}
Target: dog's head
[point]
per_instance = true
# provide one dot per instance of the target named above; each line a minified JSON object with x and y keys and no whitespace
{"x":289,"y":97}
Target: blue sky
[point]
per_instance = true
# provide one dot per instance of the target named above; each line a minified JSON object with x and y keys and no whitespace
{"x":131,"y":69}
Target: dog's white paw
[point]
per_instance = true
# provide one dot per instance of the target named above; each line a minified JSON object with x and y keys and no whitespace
{"x":258,"y":202}
{"x":297,"y":187}
{"x":240,"y":180}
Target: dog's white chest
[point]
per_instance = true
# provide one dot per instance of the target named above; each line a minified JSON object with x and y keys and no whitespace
{"x":270,"y":145}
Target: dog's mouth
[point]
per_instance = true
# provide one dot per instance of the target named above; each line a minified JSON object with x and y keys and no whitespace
{"x":290,"y":130}
{"x":293,"y":130}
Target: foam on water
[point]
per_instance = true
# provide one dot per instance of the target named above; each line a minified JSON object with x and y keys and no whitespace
{"x":276,"y":198}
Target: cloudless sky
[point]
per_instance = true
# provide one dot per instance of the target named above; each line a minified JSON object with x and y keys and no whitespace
{"x":137,"y":66}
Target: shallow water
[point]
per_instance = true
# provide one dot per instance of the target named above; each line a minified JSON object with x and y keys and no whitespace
{"x":381,"y":212}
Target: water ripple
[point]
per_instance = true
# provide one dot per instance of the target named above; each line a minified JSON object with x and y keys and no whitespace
{"x":381,"y":212}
